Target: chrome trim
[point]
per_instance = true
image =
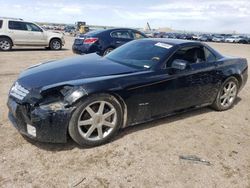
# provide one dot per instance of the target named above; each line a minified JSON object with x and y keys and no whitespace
{"x":18,"y":91}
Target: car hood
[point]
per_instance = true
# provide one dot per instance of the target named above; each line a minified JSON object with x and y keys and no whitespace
{"x":80,"y":67}
{"x":54,"y":33}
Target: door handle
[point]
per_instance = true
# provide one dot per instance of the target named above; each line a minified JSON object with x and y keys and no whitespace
{"x":118,"y":42}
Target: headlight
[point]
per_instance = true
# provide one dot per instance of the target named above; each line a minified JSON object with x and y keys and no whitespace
{"x":72,"y":94}
{"x":55,"y":106}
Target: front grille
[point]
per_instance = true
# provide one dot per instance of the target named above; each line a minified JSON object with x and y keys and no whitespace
{"x":18,"y":91}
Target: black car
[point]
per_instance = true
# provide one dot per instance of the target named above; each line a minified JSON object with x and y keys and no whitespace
{"x":104,"y":41}
{"x":91,"y":97}
{"x":244,"y":40}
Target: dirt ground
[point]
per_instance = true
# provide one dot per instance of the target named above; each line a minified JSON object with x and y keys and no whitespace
{"x":146,"y":155}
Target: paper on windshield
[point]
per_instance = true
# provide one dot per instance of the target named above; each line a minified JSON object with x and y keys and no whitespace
{"x":163,"y":45}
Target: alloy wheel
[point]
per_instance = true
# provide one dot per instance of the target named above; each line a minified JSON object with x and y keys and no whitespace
{"x":228,"y":94}
{"x":97,"y":120}
{"x":108,"y":51}
{"x":4,"y":45}
{"x":56,"y":45}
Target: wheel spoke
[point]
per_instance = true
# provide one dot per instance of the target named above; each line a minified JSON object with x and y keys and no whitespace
{"x":224,"y":101}
{"x":90,"y":111}
{"x":101,"y":107}
{"x":223,"y":96}
{"x":109,"y":124}
{"x":100,"y":133}
{"x":233,"y":88}
{"x":90,"y":131}
{"x":108,"y":114}
{"x":232,"y":94}
{"x":225,"y":90}
{"x":85,"y":122}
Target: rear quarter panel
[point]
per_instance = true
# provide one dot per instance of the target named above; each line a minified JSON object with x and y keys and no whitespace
{"x":231,"y":66}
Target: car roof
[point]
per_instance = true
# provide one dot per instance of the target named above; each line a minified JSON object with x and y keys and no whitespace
{"x":121,"y":28}
{"x":111,"y":29}
{"x":107,"y":31}
{"x":173,"y":41}
{"x":12,"y":19}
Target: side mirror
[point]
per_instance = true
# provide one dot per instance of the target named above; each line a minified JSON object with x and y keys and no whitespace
{"x":179,"y":64}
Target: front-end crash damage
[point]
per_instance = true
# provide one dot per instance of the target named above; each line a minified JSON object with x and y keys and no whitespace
{"x":45,"y":116}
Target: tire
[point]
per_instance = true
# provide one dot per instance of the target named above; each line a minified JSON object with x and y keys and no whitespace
{"x":107,"y":51}
{"x":5,"y":44}
{"x":226,"y":96}
{"x":92,"y":125}
{"x":55,"y":44}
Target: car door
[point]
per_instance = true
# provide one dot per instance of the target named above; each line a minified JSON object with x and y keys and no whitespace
{"x":35,"y":34}
{"x":17,"y":30}
{"x":120,"y":37}
{"x":181,"y":89}
{"x":197,"y":84}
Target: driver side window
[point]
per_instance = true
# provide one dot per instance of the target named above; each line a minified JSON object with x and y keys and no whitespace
{"x":192,"y":54}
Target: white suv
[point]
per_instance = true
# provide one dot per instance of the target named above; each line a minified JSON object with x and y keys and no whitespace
{"x":16,"y":32}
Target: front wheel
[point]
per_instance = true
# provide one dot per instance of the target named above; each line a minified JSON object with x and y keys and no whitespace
{"x":96,"y":120}
{"x":55,"y":44}
{"x":227,"y":95}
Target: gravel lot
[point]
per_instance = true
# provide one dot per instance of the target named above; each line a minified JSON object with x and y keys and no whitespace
{"x":146,"y":155}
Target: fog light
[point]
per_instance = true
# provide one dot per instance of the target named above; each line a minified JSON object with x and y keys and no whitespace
{"x":31,"y":130}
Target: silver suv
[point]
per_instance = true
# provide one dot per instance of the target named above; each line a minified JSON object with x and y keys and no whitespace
{"x":16,"y":32}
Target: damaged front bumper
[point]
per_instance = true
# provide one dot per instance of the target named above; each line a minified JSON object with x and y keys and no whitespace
{"x":45,"y":125}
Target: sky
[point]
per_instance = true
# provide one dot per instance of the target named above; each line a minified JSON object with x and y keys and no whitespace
{"x":188,"y":15}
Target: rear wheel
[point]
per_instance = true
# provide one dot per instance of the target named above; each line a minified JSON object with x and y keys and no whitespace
{"x":55,"y":44}
{"x":96,"y":120}
{"x":227,"y":95}
{"x":5,"y":44}
{"x":107,"y":51}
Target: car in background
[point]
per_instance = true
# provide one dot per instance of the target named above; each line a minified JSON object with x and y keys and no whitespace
{"x":195,"y":37}
{"x":69,"y":29}
{"x":103,"y":42}
{"x":244,"y":40}
{"x":218,"y":39}
{"x":160,"y":35}
{"x":16,"y":32}
{"x":205,"y":38}
{"x":233,"y":39}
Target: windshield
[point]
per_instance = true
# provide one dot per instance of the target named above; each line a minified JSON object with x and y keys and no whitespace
{"x":141,"y":54}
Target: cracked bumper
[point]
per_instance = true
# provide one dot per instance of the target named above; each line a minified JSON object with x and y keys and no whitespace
{"x":49,"y":126}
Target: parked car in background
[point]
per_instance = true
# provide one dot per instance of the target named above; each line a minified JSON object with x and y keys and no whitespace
{"x":150,"y":34}
{"x":205,"y":38}
{"x":195,"y":37}
{"x":244,"y":40}
{"x":69,"y":29}
{"x":160,"y":35}
{"x":16,"y":32}
{"x":233,"y":39}
{"x":218,"y":39}
{"x":91,"y":98}
{"x":104,"y":41}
